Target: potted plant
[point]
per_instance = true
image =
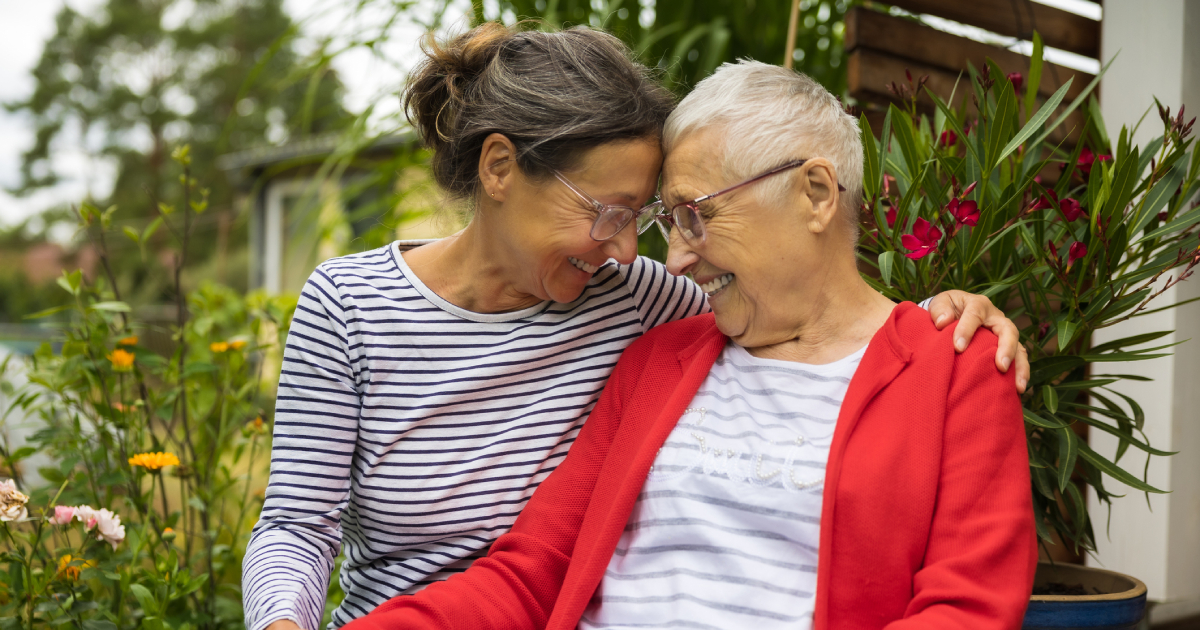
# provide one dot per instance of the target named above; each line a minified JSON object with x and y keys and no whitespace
{"x":1067,"y":240}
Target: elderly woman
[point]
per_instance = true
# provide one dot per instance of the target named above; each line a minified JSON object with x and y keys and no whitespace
{"x":424,"y":395}
{"x":815,"y":456}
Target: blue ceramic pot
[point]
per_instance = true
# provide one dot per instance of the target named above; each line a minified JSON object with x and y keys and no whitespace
{"x":1114,"y":602}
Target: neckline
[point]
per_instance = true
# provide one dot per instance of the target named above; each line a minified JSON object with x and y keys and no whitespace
{"x":458,"y":311}
{"x":833,"y":366}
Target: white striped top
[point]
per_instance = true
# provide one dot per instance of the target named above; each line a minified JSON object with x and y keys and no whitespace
{"x":725,"y":532}
{"x":411,"y":432}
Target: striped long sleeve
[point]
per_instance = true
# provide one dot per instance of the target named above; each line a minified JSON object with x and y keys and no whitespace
{"x":293,"y":547}
{"x":410,"y":433}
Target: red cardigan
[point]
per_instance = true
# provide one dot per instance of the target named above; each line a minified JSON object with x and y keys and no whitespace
{"x":927,"y":519}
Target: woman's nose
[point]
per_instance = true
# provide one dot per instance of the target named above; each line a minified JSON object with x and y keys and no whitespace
{"x":623,"y":246}
{"x":680,"y":255}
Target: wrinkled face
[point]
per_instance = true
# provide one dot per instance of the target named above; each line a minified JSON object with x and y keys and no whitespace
{"x":758,"y":259}
{"x":548,"y":226}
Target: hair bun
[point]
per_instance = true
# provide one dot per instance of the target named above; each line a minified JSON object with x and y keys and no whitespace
{"x":437,"y":86}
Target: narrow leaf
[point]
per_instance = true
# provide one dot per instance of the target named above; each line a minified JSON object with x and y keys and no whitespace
{"x":1114,"y":471}
{"x":1036,"y":122}
{"x":886,"y":259}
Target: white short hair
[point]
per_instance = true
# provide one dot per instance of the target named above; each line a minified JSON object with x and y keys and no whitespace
{"x":767,"y":116}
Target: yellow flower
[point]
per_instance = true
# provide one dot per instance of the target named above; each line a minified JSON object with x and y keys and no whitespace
{"x":65,"y":570}
{"x":154,"y":461}
{"x":237,"y":344}
{"x":128,"y":341}
{"x":218,"y":346}
{"x":122,"y":361}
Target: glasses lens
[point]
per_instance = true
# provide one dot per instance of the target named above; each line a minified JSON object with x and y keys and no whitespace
{"x":610,"y":222}
{"x":687,"y":218}
{"x":647,"y":216}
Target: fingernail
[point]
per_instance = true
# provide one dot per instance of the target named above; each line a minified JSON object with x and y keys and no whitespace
{"x":1004,"y":361}
{"x":1021,"y":383}
{"x":941,"y":319}
{"x":960,"y":344}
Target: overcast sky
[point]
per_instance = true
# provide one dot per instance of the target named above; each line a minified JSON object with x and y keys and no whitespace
{"x":25,"y":25}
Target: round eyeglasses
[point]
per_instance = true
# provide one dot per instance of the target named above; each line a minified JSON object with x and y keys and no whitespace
{"x":612,"y":218}
{"x":688,"y":216}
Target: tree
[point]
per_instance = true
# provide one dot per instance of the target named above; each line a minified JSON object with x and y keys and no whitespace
{"x":140,"y":76}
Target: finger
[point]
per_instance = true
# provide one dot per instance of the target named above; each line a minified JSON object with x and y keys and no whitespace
{"x":1022,"y":369}
{"x":973,"y":316}
{"x":1009,"y":338}
{"x":943,"y":309}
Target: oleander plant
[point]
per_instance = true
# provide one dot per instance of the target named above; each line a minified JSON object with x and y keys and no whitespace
{"x":156,"y":436}
{"x":1068,"y":237}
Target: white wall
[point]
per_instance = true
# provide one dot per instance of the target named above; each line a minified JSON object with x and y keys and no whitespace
{"x":1159,"y":44}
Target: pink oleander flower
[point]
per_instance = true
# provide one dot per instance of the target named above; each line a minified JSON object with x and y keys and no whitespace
{"x":63,"y":515}
{"x":923,"y":241}
{"x":1087,"y":159}
{"x":1078,"y":250}
{"x":965,"y":212}
{"x":891,"y":216}
{"x":1071,"y":209}
{"x":1017,"y":81}
{"x":948,"y":138}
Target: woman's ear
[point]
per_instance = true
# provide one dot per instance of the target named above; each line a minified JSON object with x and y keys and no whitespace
{"x":497,"y":166}
{"x":820,"y":185}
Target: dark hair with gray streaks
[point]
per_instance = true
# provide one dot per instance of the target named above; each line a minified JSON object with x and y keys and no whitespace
{"x":554,"y":95}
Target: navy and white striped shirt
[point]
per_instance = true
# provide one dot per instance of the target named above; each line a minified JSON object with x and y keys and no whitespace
{"x":411,"y":432}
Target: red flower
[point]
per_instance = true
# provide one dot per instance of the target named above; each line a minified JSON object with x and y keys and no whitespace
{"x":1078,"y":250}
{"x":891,"y":216}
{"x":965,"y":212}
{"x":1070,"y":209}
{"x":1017,"y":80}
{"x":948,"y":138}
{"x":1087,"y":159}
{"x":1043,"y":202}
{"x":1162,"y":216}
{"x":923,"y":240}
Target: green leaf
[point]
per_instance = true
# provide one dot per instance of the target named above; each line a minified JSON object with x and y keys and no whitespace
{"x":1050,"y":397}
{"x":145,"y":598}
{"x":1129,"y":341}
{"x":1066,"y":332}
{"x":1034,"y":80}
{"x":70,"y":281}
{"x":999,"y":127}
{"x":1139,"y":416}
{"x":1050,"y":367}
{"x":1158,"y":196}
{"x":116,"y":307}
{"x":871,"y":164}
{"x":47,"y":312}
{"x":885,"y":266}
{"x":132,"y":234}
{"x":1072,"y":107}
{"x":1068,"y":450}
{"x":1114,"y":471}
{"x":1041,"y":421}
{"x":152,"y":228}
{"x":1036,"y":122}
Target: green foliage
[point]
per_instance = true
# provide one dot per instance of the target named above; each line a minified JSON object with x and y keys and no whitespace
{"x":1116,"y":230}
{"x":114,"y":388}
{"x":137,"y":76}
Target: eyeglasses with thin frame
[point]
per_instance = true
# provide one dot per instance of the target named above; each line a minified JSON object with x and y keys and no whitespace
{"x":686,"y":215}
{"x":612,"y":218}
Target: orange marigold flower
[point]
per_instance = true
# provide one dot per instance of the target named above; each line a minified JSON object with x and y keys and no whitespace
{"x":66,"y":571}
{"x":122,"y":361}
{"x":218,"y":346}
{"x":154,"y":461}
{"x":131,"y":340}
{"x":237,"y":344}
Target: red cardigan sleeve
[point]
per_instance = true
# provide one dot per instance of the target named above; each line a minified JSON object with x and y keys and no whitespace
{"x":516,"y":585}
{"x":982,"y":551}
